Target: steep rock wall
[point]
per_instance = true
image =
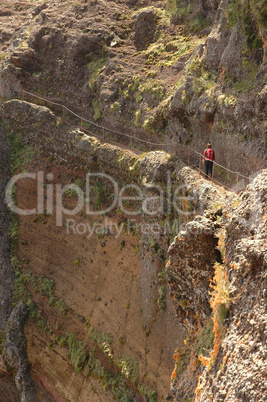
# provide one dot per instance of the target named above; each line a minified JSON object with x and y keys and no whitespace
{"x":231,"y":339}
{"x":199,"y":77}
{"x":105,"y":289}
{"x":239,"y":372}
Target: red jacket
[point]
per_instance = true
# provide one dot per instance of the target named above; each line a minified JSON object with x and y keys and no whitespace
{"x":209,"y":154}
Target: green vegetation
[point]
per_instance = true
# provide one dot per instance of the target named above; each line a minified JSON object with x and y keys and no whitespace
{"x":203,"y":82}
{"x":156,"y":89}
{"x":2,"y":340}
{"x":77,"y":352}
{"x":103,"y":193}
{"x":156,"y":248}
{"x":128,"y":367}
{"x":225,"y":176}
{"x":70,"y":193}
{"x":165,"y":53}
{"x":219,"y":304}
{"x":22,"y":154}
{"x":104,"y":341}
{"x":38,"y":283}
{"x":97,"y":110}
{"x":204,"y":341}
{"x":148,"y":393}
{"x":95,"y":67}
{"x":137,"y":118}
{"x":124,"y":369}
{"x":253,"y":14}
{"x":113,"y":381}
{"x":177,"y":7}
{"x":59,"y":304}
{"x":185,"y":97}
{"x":182,"y":303}
{"x":249,"y":81}
{"x":162,"y":289}
{"x":181,"y":11}
{"x":13,"y":230}
{"x":115,"y":106}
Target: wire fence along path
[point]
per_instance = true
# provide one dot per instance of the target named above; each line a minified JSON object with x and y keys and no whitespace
{"x":220,"y":174}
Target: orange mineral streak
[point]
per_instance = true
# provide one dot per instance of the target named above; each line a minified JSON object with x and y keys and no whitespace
{"x":204,"y":360}
{"x":174,"y":374}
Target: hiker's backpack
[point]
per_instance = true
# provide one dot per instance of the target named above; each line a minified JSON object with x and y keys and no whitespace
{"x":209,"y":154}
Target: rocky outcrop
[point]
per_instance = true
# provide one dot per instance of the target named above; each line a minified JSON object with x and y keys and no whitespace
{"x":155,"y":166}
{"x":194,"y":250}
{"x":26,"y":60}
{"x":145,"y":27}
{"x":10,"y":85}
{"x":29,"y":114}
{"x":15,"y":352}
{"x":191,"y":268}
{"x":238,"y":373}
{"x":190,"y":272}
{"x":11,"y":326}
{"x":38,"y":9}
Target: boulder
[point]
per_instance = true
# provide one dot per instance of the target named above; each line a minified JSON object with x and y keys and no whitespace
{"x":10,"y":82}
{"x":154,"y":166}
{"x":26,"y":59}
{"x":28,"y":113}
{"x":233,"y":53}
{"x":145,"y":28}
{"x":38,"y":9}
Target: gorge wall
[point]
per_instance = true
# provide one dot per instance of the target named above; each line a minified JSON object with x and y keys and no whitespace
{"x":166,"y":72}
{"x":98,"y":308}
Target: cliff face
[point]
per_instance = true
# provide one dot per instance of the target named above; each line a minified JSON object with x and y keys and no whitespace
{"x":75,"y":292}
{"x":239,"y":371}
{"x":94,"y":284}
{"x":6,"y":270}
{"x":228,"y":289}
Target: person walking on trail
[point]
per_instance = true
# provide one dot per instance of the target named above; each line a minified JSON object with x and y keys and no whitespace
{"x":208,"y":159}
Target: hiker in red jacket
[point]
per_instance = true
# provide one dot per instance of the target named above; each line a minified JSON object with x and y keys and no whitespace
{"x":208,"y":158}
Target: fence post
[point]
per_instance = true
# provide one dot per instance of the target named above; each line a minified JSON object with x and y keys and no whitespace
{"x":237,"y":182}
{"x":103,"y":134}
{"x":188,"y":156}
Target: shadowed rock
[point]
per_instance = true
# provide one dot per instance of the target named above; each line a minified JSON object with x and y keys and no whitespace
{"x":15,"y":353}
